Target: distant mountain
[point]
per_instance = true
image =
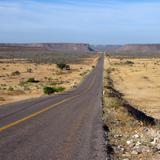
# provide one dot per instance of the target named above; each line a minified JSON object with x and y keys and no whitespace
{"x":142,"y":48}
{"x":137,"y":50}
{"x":128,"y":48}
{"x":106,"y":48}
{"x":134,"y":50}
{"x":62,"y":47}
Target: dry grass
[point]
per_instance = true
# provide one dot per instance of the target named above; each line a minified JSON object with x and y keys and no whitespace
{"x":15,"y":74}
{"x":140,"y":83}
{"x":130,"y":139}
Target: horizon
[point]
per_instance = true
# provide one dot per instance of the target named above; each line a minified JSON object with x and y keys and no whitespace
{"x":67,"y":21}
{"x":31,"y":43}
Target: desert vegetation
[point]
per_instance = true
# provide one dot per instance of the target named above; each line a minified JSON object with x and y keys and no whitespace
{"x":27,"y":78}
{"x":42,"y":55}
{"x":131,"y":139}
{"x":63,"y":66}
{"x":51,"y":90}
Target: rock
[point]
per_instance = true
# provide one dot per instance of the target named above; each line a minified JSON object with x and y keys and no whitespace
{"x":135,"y":136}
{"x":120,"y":148}
{"x":158,"y":133}
{"x":142,"y":149}
{"x":146,"y":149}
{"x":138,"y":143}
{"x":134,"y":152}
{"x":145,"y":129}
{"x":129,"y":142}
{"x":117,"y":136}
{"x":155,"y":141}
{"x":158,"y":147}
{"x":126,"y":155}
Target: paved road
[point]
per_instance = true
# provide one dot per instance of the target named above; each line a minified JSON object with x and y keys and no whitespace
{"x":60,"y":127}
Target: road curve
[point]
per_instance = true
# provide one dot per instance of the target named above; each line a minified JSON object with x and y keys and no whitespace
{"x":61,"y":127}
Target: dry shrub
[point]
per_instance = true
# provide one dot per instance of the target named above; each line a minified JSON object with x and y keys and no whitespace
{"x":2,"y":99}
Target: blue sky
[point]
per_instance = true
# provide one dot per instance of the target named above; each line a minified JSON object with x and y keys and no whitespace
{"x":89,"y":21}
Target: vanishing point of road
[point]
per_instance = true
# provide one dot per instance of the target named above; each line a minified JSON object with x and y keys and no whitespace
{"x":60,"y":127}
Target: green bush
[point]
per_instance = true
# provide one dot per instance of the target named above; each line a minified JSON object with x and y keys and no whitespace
{"x":51,"y":90}
{"x":63,"y":66}
{"x":48,"y":90}
{"x":32,"y":80}
{"x":60,"y":89}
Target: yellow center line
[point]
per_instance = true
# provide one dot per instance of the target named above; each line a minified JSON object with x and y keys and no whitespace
{"x":45,"y":109}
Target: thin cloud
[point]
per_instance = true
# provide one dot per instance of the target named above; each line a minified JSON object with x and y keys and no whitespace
{"x":106,"y":22}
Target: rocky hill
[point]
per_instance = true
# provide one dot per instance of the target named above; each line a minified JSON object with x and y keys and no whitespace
{"x":142,"y":48}
{"x":137,"y":50}
{"x":62,"y":47}
{"x":106,"y":48}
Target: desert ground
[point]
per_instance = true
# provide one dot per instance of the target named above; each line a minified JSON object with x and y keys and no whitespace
{"x":138,"y":80}
{"x":15,"y":75}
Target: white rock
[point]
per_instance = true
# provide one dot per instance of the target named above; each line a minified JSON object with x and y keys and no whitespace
{"x":158,"y":132}
{"x":117,"y":136}
{"x":120,"y":148}
{"x":129,"y":142}
{"x":158,"y":146}
{"x":136,"y":136}
{"x":146,"y":129}
{"x":126,"y":155}
{"x":155,"y":140}
{"x":134,"y":152}
{"x":138,"y":143}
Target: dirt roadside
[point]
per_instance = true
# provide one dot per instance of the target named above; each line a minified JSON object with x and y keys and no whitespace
{"x":130,"y":139}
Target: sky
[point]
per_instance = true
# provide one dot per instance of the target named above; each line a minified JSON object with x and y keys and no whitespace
{"x":87,"y":21}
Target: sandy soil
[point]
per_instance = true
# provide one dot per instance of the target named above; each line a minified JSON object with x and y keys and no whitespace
{"x":139,"y":82}
{"x":14,"y":86}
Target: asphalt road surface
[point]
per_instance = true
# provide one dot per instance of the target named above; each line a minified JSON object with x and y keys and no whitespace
{"x":61,"y":127}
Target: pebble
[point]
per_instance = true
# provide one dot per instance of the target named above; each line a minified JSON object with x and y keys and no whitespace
{"x":129,"y":142}
{"x":126,"y":155}
{"x":134,"y":152}
{"x":136,"y":136}
{"x":138,"y":143}
{"x":158,"y":146}
{"x":145,"y":129}
{"x":155,"y":141}
{"x":117,"y":136}
{"x":120,"y":148}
